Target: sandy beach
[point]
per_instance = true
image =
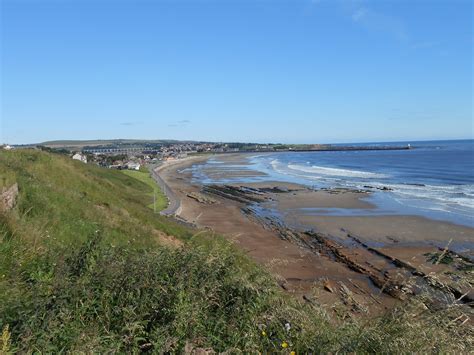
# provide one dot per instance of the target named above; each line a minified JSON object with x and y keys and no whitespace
{"x":363,"y":263}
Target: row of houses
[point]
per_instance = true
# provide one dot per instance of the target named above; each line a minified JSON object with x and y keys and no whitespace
{"x":119,"y":164}
{"x":126,"y":166}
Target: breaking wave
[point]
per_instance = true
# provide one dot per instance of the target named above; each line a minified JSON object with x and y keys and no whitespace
{"x":449,"y":198}
{"x":321,"y":170}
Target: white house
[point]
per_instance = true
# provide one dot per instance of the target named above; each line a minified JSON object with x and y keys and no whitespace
{"x":80,"y":157}
{"x":133,"y":166}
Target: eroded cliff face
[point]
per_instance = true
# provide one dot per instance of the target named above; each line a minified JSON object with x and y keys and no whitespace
{"x":8,"y":197}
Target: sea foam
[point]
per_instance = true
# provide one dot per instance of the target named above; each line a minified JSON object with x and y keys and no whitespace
{"x":448,"y":198}
{"x":321,"y":170}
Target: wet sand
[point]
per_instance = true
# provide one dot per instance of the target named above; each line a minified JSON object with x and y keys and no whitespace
{"x":297,"y":209}
{"x":341,"y":271}
{"x":393,"y":229}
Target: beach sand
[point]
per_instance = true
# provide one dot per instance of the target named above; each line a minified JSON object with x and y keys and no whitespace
{"x":314,"y":273}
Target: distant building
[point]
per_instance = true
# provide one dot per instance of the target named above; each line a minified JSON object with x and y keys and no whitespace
{"x":133,"y":166}
{"x":80,"y":157}
{"x":7,"y":147}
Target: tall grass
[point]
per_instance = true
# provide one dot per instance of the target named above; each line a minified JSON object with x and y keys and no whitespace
{"x":158,"y":200}
{"x":83,"y":269}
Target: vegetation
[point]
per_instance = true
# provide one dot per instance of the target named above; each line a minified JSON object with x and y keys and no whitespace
{"x":437,"y":258}
{"x":54,"y":150}
{"x":156,"y":196}
{"x":110,"y":159}
{"x":7,"y":178}
{"x":86,"y":266}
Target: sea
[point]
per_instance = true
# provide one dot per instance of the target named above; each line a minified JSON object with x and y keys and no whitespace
{"x":434,"y":179}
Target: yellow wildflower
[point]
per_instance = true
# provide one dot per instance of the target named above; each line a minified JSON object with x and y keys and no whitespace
{"x":284,"y":345}
{"x":293,"y":353}
{"x":264,"y":333}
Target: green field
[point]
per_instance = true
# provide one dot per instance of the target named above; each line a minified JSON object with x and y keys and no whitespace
{"x":160,"y":199}
{"x":86,"y":266}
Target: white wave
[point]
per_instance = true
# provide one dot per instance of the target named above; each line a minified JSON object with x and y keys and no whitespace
{"x":436,"y":197}
{"x":460,"y":195}
{"x":282,"y":169}
{"x":276,"y":165}
{"x":325,"y":171}
{"x":442,"y":199}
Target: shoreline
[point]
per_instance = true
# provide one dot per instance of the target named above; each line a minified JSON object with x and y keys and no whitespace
{"x":302,"y":265}
{"x":174,"y":202}
{"x":391,"y":195}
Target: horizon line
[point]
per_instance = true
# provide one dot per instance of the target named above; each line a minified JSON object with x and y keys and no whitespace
{"x":235,"y":141}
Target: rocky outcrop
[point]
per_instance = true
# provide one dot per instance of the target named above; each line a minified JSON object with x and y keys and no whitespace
{"x":8,"y":197}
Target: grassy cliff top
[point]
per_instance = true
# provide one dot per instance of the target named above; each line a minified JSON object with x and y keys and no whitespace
{"x":85,"y":265}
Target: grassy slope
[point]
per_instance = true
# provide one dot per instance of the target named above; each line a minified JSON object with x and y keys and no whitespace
{"x":82,"y":267}
{"x":144,"y":176}
{"x":7,"y":178}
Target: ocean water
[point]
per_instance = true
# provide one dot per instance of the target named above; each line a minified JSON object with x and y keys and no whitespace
{"x":434,"y":179}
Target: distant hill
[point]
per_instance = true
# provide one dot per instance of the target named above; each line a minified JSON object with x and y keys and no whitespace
{"x":79,"y":144}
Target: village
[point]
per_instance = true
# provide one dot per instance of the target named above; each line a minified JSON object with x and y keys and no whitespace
{"x":131,"y":155}
{"x":124,"y":155}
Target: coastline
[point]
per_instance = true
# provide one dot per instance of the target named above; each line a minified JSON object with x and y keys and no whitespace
{"x":174,"y":202}
{"x":303,"y":268}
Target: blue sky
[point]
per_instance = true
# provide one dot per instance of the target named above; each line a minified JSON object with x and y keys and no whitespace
{"x":263,"y":71}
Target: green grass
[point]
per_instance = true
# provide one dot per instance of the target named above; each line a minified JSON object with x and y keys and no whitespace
{"x":144,"y":176}
{"x":83,"y":269}
{"x":436,"y":258}
{"x":7,"y":178}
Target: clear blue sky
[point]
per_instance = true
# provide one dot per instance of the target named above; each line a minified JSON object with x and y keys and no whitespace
{"x":266,"y":71}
